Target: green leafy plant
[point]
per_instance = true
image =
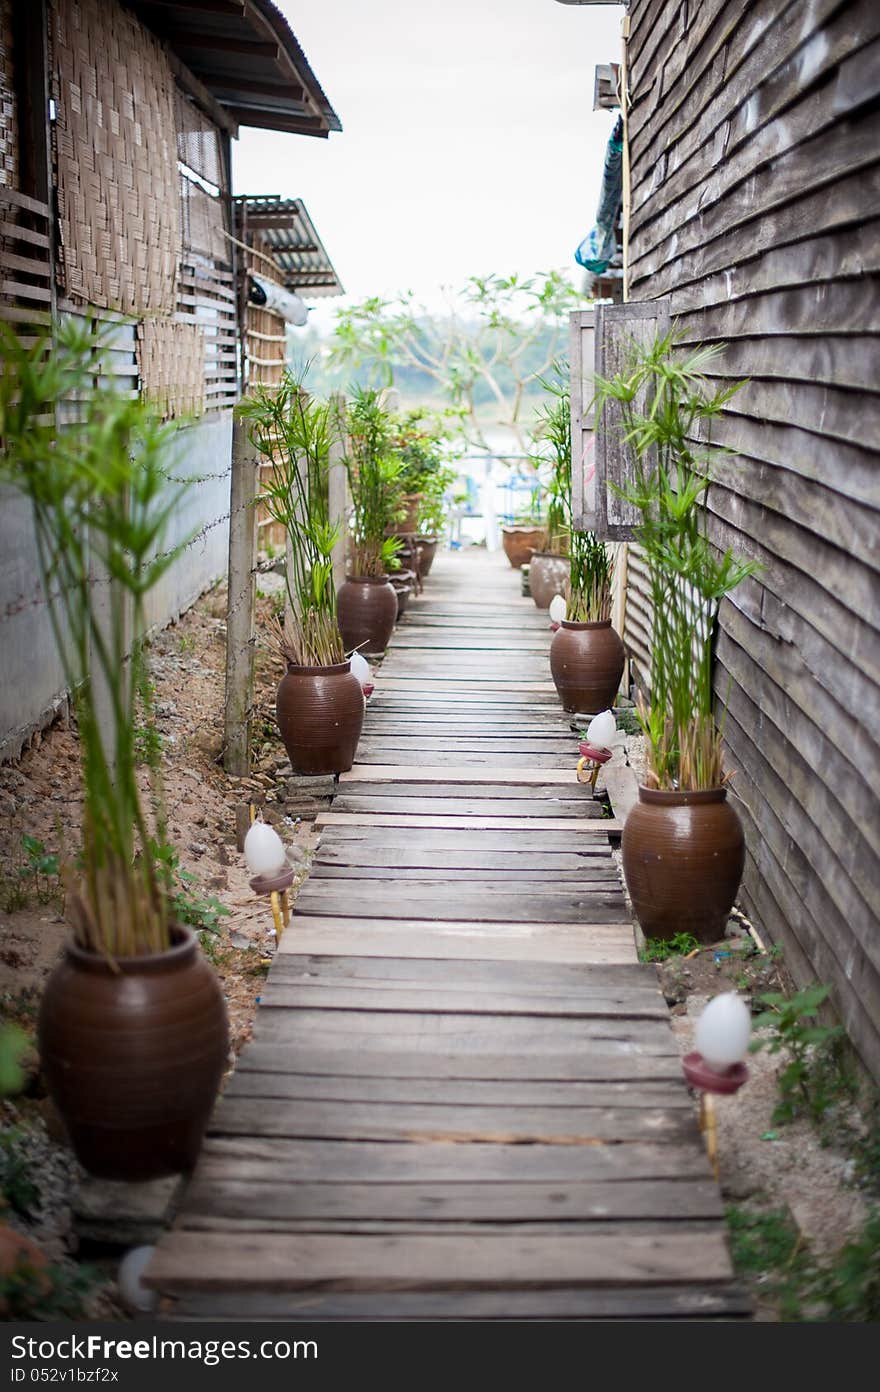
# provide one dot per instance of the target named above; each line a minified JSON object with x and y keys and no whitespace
{"x":374,"y":475}
{"x":294,"y":431}
{"x":17,"y":1184}
{"x":50,"y":1292}
{"x":810,"y":1080}
{"x":101,"y":501}
{"x":666,"y":402}
{"x":202,"y":912}
{"x":661,"y":949}
{"x":14,"y":1045}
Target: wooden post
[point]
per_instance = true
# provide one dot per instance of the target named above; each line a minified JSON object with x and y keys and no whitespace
{"x":240,"y":603}
{"x":338,"y":496}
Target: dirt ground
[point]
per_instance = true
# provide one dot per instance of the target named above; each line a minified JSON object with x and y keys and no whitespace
{"x":760,"y":1163}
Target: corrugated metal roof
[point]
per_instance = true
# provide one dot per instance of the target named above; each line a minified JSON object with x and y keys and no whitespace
{"x":247,"y":57}
{"x":288,"y":234}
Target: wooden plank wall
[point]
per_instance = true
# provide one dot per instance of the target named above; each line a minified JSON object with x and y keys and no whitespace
{"x":756,"y":207}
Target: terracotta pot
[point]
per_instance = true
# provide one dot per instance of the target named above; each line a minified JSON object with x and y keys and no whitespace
{"x":520,"y":542}
{"x":683,"y":857}
{"x":403,"y":583}
{"x":586,"y":661}
{"x":548,"y":576}
{"x":366,"y":607}
{"x":320,"y":714}
{"x":133,"y":1054}
{"x":426,"y":550}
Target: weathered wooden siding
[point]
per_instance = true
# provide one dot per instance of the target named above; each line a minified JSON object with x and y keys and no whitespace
{"x":754,"y":135}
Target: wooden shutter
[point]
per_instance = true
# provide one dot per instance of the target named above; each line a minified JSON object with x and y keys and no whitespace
{"x":617,"y":327}
{"x":581,"y":355}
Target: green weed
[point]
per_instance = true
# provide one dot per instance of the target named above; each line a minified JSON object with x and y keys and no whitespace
{"x":661,"y":949}
{"x":814,"y":1077}
{"x":17,"y":1185}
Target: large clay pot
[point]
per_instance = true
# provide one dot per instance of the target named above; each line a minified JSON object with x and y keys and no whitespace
{"x":548,"y":576}
{"x":683,"y":857}
{"x":366,"y":607}
{"x":403,"y":582}
{"x":520,"y":542}
{"x":586,"y":661}
{"x":320,"y":714}
{"x":132,"y":1053}
{"x":426,"y":550}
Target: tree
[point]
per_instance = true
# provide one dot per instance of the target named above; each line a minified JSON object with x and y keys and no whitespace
{"x":497,"y":338}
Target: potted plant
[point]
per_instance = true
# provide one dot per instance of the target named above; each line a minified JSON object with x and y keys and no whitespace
{"x":525,"y":535}
{"x":683,"y":851}
{"x":132,"y":1025}
{"x":367,"y":603}
{"x":319,"y":703}
{"x":586,"y":654}
{"x":548,"y":568}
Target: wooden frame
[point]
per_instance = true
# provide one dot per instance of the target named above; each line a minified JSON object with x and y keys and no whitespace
{"x":616,"y":326}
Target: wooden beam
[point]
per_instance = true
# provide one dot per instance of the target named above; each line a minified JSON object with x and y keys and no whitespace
{"x":234,"y":8}
{"x":260,"y":87}
{"x":295,"y":125}
{"x":200,"y":94}
{"x":218,"y":43}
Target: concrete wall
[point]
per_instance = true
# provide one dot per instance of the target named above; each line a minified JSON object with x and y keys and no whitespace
{"x":32,"y":685}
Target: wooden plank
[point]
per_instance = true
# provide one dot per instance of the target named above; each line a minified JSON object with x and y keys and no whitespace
{"x":415,"y":1122}
{"x":457,"y":1092}
{"x":353,"y":855}
{"x":490,"y":942}
{"x":658,"y":1302}
{"x":528,"y":881}
{"x":584,"y":1065}
{"x":516,"y":802}
{"x":515,"y":840}
{"x":301,"y":1261}
{"x":411,"y":785}
{"x":438,"y":1000}
{"x":580,"y":826}
{"x":402,"y":775}
{"x":610,"y":981}
{"x":584,"y":906}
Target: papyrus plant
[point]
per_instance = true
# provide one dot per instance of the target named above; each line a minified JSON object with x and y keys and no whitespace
{"x":590,"y":562}
{"x":667,"y":405}
{"x":293,"y":431}
{"x":374,"y":474}
{"x":101,"y":499}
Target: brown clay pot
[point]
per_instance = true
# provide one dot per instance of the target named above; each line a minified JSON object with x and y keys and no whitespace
{"x":133,"y":1054}
{"x":548,"y":576}
{"x":683,"y":858}
{"x":426,"y":550}
{"x":366,"y":607}
{"x":520,"y":542}
{"x":320,"y":714}
{"x":586,"y":662}
{"x":403,"y":582}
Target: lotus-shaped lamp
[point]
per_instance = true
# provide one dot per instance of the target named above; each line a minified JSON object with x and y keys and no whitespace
{"x":558,"y":611}
{"x":361,"y":669}
{"x":264,"y":850}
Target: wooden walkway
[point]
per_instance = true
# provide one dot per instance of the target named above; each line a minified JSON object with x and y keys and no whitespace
{"x":463,"y":1098}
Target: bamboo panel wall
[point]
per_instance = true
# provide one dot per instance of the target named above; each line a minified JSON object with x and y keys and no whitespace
{"x":265,"y":346}
{"x":115,"y":159}
{"x":754,"y":137}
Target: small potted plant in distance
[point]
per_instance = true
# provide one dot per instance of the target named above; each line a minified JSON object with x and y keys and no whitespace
{"x":586,"y":655}
{"x":683,"y":850}
{"x":522,"y":537}
{"x":367,"y":604}
{"x":132,"y":1025}
{"x":548,"y":568}
{"x":319,"y":703}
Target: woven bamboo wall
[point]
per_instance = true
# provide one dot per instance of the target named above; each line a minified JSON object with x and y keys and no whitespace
{"x":8,"y":123}
{"x":116,"y":159}
{"x":171,"y":361}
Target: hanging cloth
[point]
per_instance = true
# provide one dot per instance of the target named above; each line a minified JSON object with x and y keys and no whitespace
{"x":598,"y":247}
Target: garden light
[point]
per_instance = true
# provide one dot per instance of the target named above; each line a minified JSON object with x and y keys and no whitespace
{"x":264,"y":850}
{"x":361,"y":669}
{"x":602,"y":730}
{"x":558,"y":610}
{"x":716,"y":1065}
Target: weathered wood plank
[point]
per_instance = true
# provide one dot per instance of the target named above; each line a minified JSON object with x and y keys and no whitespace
{"x":300,"y":1261}
{"x":580,"y":826}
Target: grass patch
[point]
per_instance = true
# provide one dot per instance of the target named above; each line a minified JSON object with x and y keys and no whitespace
{"x":661,"y":949}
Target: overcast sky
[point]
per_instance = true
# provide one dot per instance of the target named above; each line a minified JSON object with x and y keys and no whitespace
{"x":469,"y":143}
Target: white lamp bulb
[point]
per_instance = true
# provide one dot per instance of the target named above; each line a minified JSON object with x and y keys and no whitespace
{"x":264,"y":850}
{"x":558,"y":609}
{"x":723,"y":1029}
{"x":361,"y":668}
{"x":602,"y":730}
{"x":136,"y":1295}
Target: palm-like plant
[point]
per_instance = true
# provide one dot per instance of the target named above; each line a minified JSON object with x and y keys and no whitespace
{"x":666,"y":402}
{"x":101,"y":501}
{"x":590,"y":562}
{"x":374,"y":473}
{"x":294,"y":432}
